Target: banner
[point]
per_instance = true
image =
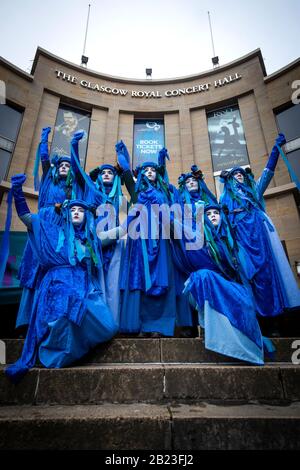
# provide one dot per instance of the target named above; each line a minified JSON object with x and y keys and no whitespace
{"x":69,"y":121}
{"x":148,"y":139}
{"x":227,"y":139}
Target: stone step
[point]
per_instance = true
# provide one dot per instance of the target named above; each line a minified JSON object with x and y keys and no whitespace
{"x":204,"y":426}
{"x":167,"y":350}
{"x":153,"y":383}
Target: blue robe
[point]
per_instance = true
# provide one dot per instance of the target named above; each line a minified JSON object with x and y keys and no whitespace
{"x":147,"y":276}
{"x":265,"y":264}
{"x":69,"y":315}
{"x":30,"y":272}
{"x":225,"y":306}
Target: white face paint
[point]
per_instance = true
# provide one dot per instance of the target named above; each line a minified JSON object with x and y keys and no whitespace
{"x":191,"y":184}
{"x":214,"y":216}
{"x":107,"y":175}
{"x":77,"y":215}
{"x":150,"y":173}
{"x":239,"y":177}
{"x":63,"y":169}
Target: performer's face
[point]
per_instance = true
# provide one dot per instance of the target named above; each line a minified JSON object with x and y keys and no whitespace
{"x":150,"y":173}
{"x":191,"y":184}
{"x":63,"y":169}
{"x":239,"y":177}
{"x":77,"y":215}
{"x":107,"y":175}
{"x":214,"y":216}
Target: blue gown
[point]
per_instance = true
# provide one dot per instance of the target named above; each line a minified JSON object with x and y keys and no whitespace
{"x":183,"y":196}
{"x":147,"y":276}
{"x":69,"y":315}
{"x":53,"y":190}
{"x":225,"y":306}
{"x":265,"y":264}
{"x":97,"y":194}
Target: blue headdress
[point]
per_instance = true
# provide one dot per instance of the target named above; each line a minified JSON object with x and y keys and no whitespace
{"x":220,"y":238}
{"x":233,"y":189}
{"x":202,"y":193}
{"x":79,"y":237}
{"x":162,"y":180}
{"x":111,"y":191}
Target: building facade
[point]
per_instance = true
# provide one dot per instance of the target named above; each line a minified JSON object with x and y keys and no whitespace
{"x":218,"y":119}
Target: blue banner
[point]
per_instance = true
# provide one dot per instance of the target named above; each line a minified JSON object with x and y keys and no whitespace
{"x":148,"y":139}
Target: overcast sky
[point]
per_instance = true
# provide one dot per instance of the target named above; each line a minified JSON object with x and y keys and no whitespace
{"x":170,"y":36}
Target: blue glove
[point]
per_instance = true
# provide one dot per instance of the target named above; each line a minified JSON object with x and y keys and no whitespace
{"x":273,"y":158}
{"x":77,"y":136}
{"x":44,"y":144}
{"x":122,"y":155}
{"x":75,"y":143}
{"x":20,"y":201}
{"x":44,"y":135}
{"x":280,"y":140}
{"x":162,"y":155}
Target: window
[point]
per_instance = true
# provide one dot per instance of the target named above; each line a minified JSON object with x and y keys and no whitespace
{"x":227,"y":141}
{"x":148,"y":139}
{"x":10,"y":121}
{"x":68,"y":121}
{"x":288,"y":122}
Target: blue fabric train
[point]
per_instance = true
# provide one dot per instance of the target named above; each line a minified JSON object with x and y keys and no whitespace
{"x":265,"y":263}
{"x":69,"y":314}
{"x":225,"y":306}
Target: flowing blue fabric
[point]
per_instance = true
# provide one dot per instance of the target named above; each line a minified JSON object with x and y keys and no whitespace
{"x":147,"y":275}
{"x":66,"y":293}
{"x":53,"y":190}
{"x":97,"y":194}
{"x":253,"y":230}
{"x":289,"y":167}
{"x":228,"y":298}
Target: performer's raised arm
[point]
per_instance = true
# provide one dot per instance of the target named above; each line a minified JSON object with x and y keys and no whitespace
{"x":20,"y":201}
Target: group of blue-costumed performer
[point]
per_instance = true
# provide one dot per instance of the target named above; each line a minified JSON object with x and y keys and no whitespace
{"x":84,"y":284}
{"x":69,"y":315}
{"x":57,"y":185}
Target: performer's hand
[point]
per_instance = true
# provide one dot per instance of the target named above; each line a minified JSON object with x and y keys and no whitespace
{"x":280,"y":140}
{"x":44,"y":135}
{"x":77,"y":136}
{"x":162,"y":155}
{"x":122,"y":155}
{"x":18,"y":180}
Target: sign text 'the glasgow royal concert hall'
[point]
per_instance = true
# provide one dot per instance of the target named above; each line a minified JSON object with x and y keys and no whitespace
{"x":147,"y":94}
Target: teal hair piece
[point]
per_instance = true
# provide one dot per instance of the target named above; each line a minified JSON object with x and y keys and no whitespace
{"x":35,"y":172}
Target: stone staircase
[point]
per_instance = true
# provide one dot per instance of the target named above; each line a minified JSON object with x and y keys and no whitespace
{"x":153,"y":394}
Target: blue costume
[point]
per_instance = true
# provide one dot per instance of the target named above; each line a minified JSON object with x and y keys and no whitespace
{"x":265,"y":263}
{"x":53,"y":190}
{"x":201,"y":194}
{"x":225,"y":306}
{"x":147,"y":280}
{"x":69,"y":314}
{"x":102,"y":195}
